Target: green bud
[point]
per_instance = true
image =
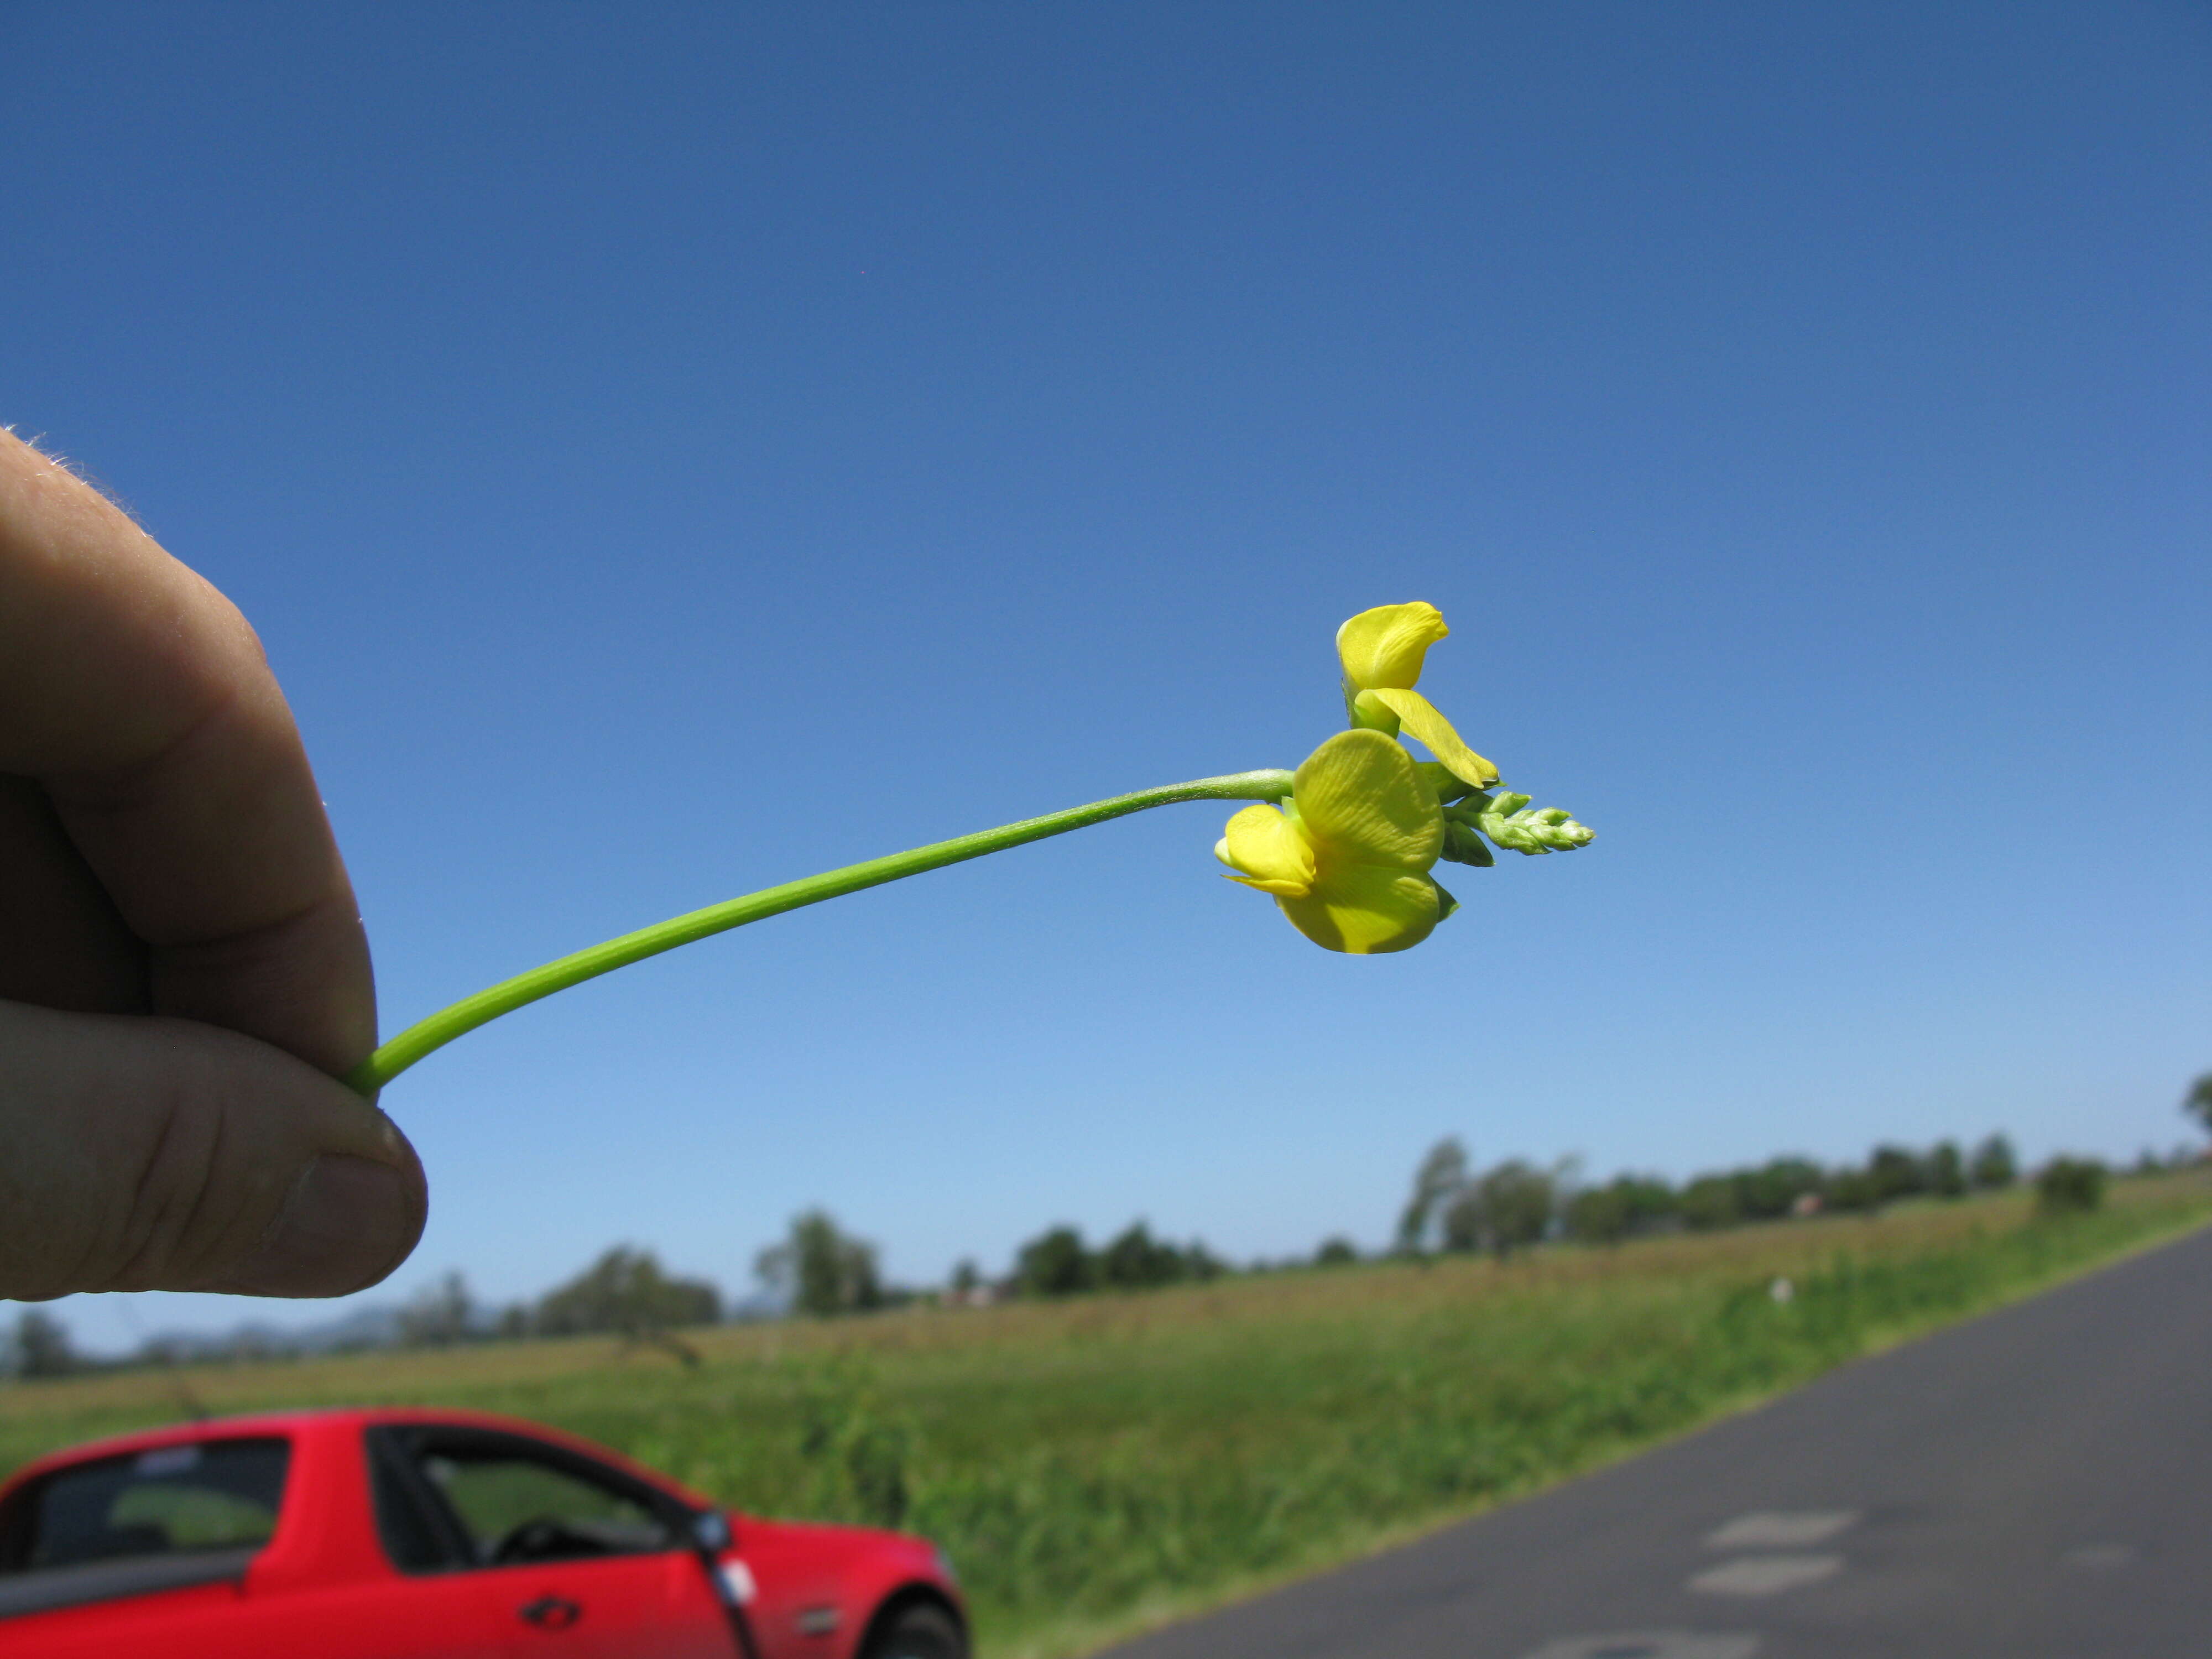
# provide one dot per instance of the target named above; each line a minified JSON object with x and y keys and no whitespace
{"x":1548,"y":830}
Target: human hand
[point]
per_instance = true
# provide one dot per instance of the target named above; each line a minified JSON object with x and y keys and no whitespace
{"x":182,"y":963}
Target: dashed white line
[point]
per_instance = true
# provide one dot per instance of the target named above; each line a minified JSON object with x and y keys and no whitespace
{"x":1766,"y":1575}
{"x":1780,"y":1529}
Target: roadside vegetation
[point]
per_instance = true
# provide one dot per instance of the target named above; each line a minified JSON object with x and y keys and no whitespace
{"x":1096,"y":1462}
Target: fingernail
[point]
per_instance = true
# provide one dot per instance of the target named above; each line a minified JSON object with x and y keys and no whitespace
{"x":347,"y":1224}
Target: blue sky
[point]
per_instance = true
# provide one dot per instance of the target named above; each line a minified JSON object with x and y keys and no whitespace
{"x":671,"y":450}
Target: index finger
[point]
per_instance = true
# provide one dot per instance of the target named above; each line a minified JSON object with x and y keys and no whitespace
{"x":139,"y":698}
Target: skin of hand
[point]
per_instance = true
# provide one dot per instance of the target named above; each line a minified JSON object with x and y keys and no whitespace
{"x":182,"y":963}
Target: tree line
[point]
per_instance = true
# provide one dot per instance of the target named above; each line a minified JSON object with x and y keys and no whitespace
{"x":1515,"y":1204}
{"x":625,"y":1292}
{"x":819,"y":1270}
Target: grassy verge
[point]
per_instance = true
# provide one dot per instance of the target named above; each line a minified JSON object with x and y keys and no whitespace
{"x":1095,"y":1466}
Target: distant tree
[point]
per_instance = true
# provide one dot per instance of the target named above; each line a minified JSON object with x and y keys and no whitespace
{"x":1599,"y":1215}
{"x":1993,"y":1164}
{"x":1201,"y":1264}
{"x":1652,"y":1203}
{"x":1895,"y":1173}
{"x":1848,"y":1188}
{"x":966,"y":1276}
{"x":2197,"y":1102}
{"x":1767,"y":1193}
{"x":42,"y":1345}
{"x":1439,"y":1183}
{"x":1946,"y":1169}
{"x":1711,"y":1201}
{"x":821,"y":1268}
{"x":1521,"y":1201}
{"x":1137,"y":1261}
{"x":439,"y":1315}
{"x":2070,"y":1186}
{"x":1055,"y":1263}
{"x":1626,"y":1204}
{"x":626,"y":1291}
{"x":1507,"y":1207}
{"x":1336,"y":1252}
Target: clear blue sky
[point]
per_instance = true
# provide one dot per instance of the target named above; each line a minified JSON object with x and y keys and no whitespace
{"x":672,"y":449}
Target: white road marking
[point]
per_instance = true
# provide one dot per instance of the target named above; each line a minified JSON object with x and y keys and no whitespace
{"x":1653,"y":1644}
{"x":1766,"y":1575}
{"x":1780,"y":1529}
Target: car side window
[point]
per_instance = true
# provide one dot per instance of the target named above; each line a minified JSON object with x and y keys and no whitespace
{"x":204,"y":1495}
{"x":499,"y":1500}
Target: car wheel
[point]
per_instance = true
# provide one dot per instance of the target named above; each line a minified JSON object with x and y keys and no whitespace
{"x":921,"y":1632}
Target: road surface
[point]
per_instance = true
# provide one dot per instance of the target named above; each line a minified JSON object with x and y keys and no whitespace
{"x":2036,"y":1484}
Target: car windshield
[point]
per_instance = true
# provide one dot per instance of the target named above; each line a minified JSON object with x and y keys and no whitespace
{"x":210,"y":1495}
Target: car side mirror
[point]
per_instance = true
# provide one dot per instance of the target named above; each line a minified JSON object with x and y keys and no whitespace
{"x":710,"y":1530}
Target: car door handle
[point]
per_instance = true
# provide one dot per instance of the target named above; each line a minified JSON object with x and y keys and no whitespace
{"x":550,"y":1613}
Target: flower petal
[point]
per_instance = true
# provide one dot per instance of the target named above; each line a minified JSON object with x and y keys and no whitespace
{"x":1268,"y":849}
{"x":1366,"y":910}
{"x":1362,"y":800}
{"x":1420,"y":719}
{"x":1384,"y":647}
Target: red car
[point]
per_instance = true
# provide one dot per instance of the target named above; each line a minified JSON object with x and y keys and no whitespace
{"x":401,"y":1535}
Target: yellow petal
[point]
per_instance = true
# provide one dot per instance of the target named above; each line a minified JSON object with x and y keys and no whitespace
{"x":1362,"y":800}
{"x":1419,"y":718}
{"x":1384,"y":647}
{"x":1366,"y":910}
{"x":1268,"y":850}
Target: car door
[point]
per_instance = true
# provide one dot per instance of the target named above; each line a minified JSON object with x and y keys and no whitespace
{"x":587,"y":1562}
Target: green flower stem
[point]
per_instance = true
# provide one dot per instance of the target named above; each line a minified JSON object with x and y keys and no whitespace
{"x":442,"y":1027}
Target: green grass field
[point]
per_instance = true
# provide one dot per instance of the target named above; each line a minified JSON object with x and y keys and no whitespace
{"x":1095,"y":1466}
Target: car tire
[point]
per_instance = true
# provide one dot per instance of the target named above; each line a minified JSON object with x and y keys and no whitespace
{"x":923,"y":1631}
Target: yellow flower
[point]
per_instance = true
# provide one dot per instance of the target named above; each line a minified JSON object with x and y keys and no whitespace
{"x":1348,"y":860}
{"x":1382,"y":651}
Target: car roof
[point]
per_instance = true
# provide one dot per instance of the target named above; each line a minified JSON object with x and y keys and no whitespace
{"x":338,"y":1419}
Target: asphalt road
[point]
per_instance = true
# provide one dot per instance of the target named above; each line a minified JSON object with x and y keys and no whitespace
{"x":2034,"y":1485}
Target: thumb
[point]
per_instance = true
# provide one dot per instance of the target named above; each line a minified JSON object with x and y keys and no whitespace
{"x":144,"y":1154}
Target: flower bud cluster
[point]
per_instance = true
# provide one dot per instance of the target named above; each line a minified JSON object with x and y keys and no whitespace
{"x":1507,"y":820}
